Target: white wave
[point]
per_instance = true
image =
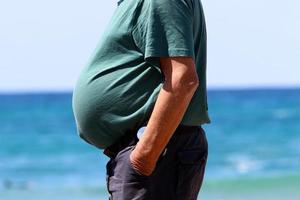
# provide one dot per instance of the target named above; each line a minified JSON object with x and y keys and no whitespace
{"x":282,"y":113}
{"x":244,"y":164}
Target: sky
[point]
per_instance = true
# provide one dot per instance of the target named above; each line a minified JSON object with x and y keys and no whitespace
{"x":45,"y":44}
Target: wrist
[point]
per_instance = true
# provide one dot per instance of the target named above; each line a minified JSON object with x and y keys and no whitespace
{"x":143,"y":164}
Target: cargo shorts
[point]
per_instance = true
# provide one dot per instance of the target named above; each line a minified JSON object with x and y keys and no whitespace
{"x":178,"y":174}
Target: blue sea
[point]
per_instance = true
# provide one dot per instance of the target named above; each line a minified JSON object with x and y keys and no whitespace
{"x":254,"y":148}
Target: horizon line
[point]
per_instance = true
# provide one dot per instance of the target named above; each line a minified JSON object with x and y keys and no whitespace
{"x":212,"y":88}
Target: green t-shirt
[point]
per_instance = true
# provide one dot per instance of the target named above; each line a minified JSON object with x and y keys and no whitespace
{"x":117,"y":89}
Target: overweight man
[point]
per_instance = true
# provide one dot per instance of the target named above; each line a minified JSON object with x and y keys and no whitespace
{"x":148,"y":72}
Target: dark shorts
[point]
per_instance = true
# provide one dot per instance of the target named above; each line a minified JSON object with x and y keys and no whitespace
{"x":178,"y":174}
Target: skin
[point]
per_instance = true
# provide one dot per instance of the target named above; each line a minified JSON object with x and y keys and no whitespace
{"x":181,"y":82}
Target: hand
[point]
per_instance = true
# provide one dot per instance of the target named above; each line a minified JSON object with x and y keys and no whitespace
{"x":141,"y":164}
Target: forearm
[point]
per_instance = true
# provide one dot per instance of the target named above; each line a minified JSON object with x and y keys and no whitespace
{"x":170,"y":106}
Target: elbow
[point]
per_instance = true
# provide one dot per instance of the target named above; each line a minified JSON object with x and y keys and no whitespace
{"x":191,"y":86}
{"x":184,"y":83}
{"x":193,"y":82}
{"x":188,"y":81}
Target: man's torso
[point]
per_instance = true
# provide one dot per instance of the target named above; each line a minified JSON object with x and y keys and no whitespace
{"x":117,"y":89}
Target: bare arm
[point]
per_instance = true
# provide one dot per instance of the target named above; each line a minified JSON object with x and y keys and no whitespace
{"x":181,"y":82}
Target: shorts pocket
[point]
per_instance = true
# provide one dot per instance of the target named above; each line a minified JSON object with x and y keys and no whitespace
{"x":190,"y":172}
{"x":132,"y":174}
{"x":135,"y":185}
{"x":125,"y":183}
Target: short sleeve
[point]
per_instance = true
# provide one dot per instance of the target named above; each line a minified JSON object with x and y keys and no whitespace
{"x":164,"y":28}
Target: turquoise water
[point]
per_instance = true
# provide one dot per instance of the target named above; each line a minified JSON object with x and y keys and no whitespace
{"x":254,"y":150}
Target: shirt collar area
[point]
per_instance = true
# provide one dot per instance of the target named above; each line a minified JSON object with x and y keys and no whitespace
{"x":120,"y":1}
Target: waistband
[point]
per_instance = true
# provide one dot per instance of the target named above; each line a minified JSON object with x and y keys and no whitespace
{"x":131,"y":138}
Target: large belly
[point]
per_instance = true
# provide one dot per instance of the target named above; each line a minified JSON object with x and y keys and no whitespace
{"x":116,"y":100}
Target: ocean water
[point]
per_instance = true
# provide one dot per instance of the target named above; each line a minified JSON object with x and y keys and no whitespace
{"x":254,"y":148}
